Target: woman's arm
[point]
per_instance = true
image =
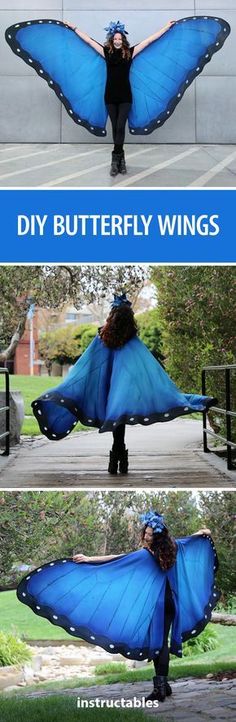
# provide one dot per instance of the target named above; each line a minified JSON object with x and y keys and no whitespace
{"x":82,"y":558}
{"x":87,"y":39}
{"x":155,"y":36}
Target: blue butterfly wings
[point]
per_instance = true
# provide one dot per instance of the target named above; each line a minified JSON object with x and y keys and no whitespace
{"x":118,"y":603}
{"x":164,"y":70}
{"x":72,"y":68}
{"x":159,"y":75}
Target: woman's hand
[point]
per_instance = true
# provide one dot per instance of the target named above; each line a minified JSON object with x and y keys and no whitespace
{"x":70,"y":25}
{"x":80,"y":558}
{"x":170,"y":22}
{"x":204,"y":531}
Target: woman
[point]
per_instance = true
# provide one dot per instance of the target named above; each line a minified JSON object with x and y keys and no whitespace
{"x":116,"y":381}
{"x":93,"y":80}
{"x":126,"y":603}
{"x":118,"y":95}
{"x":164,"y":548}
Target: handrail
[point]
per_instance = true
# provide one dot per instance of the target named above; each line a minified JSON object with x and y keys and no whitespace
{"x":6,"y":408}
{"x":228,"y":413}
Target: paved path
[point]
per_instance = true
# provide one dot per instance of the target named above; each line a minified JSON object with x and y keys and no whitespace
{"x":165,"y":454}
{"x":87,"y":165}
{"x":192,"y":699}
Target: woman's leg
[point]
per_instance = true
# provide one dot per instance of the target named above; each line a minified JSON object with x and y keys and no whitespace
{"x":115,"y":156}
{"x":118,"y":453}
{"x":119,"y":438}
{"x":123,"y":112}
{"x":161,"y":664}
{"x":113,"y":115}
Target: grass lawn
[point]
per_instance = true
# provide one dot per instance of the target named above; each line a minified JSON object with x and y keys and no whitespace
{"x":17,"y":618}
{"x":31,"y":387}
{"x":55,"y":709}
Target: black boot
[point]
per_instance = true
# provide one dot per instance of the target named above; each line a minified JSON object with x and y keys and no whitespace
{"x":115,"y":160}
{"x":168,"y":689}
{"x":113,"y":462}
{"x":159,"y":689}
{"x":122,"y":164}
{"x":123,"y":461}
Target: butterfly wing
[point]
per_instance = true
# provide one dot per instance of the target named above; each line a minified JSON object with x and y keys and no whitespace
{"x":82,"y":395}
{"x":161,"y":73}
{"x":72,"y":68}
{"x":197,"y":564}
{"x":108,"y":603}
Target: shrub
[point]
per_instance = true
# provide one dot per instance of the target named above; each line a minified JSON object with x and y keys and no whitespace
{"x":205,"y":642}
{"x":13,"y":650}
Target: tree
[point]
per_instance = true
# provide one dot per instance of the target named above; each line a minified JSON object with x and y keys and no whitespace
{"x":150,"y":332}
{"x":197,"y":307}
{"x":37,"y":526}
{"x":65,"y":344}
{"x":218,"y":512}
{"x":53,"y":287}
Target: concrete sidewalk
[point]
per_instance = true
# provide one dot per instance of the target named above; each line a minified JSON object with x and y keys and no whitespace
{"x":87,"y":165}
{"x":160,"y":455}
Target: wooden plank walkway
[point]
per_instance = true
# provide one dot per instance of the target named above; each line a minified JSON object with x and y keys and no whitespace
{"x":167,"y":456}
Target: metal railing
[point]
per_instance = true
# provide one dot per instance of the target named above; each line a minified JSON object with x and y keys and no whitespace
{"x":228,"y":412}
{"x":6,"y":409}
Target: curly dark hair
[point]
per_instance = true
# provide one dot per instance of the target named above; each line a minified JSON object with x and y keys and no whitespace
{"x":120,"y":327}
{"x":125,"y":46}
{"x":164,"y":547}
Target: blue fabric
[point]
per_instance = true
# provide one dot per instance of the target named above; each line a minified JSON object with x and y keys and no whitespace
{"x":72,"y":68}
{"x":119,"y":604}
{"x":159,"y":74}
{"x":107,"y":387}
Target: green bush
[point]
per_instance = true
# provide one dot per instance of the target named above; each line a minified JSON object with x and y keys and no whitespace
{"x":205,"y":642}
{"x":13,"y":650}
{"x":229,"y":606}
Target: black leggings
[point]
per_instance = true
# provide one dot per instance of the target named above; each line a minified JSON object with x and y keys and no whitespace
{"x":119,"y":438}
{"x":161,"y":664}
{"x":118,"y":113}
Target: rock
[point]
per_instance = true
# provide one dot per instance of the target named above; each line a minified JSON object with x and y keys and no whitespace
{"x":10,"y":676}
{"x":72,"y":661}
{"x":16,"y":416}
{"x":209,"y":676}
{"x":28,"y":673}
{"x":42,"y":677}
{"x":37,"y":663}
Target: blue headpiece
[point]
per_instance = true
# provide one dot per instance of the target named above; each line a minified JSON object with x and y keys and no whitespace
{"x":119,"y":300}
{"x":117,"y":27}
{"x":153,"y":519}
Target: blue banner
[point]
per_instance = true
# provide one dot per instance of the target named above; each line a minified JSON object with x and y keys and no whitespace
{"x":108,"y":225}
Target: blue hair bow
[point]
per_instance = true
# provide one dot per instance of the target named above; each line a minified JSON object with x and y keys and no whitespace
{"x":153,"y":519}
{"x":117,"y":27}
{"x":119,"y":300}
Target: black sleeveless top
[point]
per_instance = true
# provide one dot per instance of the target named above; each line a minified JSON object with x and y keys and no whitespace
{"x":118,"y":89}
